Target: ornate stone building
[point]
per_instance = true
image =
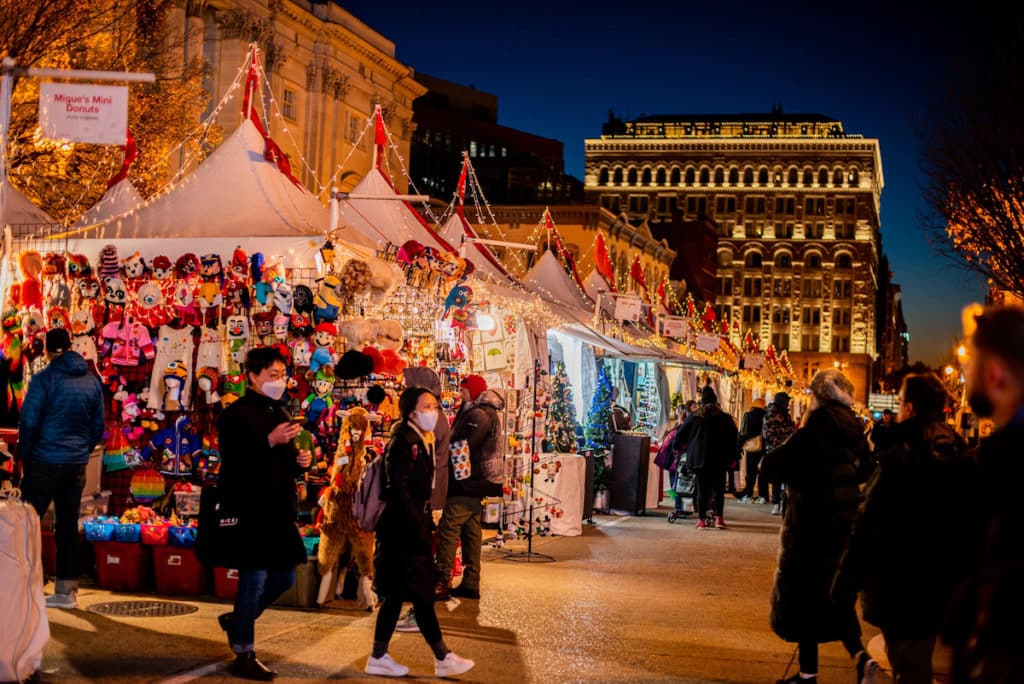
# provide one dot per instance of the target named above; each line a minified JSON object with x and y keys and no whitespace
{"x":326,"y":70}
{"x":795,"y":200}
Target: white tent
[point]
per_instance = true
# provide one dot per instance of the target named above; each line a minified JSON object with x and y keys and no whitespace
{"x":21,"y":214}
{"x":377,"y":217}
{"x":549,"y":279}
{"x":234,"y":192}
{"x":120,"y":199}
{"x":486,"y":265}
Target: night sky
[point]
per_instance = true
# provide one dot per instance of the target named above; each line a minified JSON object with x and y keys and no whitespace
{"x":558,"y":69}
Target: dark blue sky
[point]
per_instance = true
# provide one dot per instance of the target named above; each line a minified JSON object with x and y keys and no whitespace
{"x":557,"y":68}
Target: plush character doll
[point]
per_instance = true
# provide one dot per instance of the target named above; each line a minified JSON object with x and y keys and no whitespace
{"x":323,"y":342}
{"x":302,"y":299}
{"x":321,"y":383}
{"x":12,"y":358}
{"x":31,"y":264}
{"x":110,"y":266}
{"x":163,"y":269}
{"x":237,"y":338}
{"x":79,"y":266}
{"x":115,"y":294}
{"x":55,"y":281}
{"x":301,"y":325}
{"x":458,"y":298}
{"x":234,"y":388}
{"x":33,"y":335}
{"x":326,"y":303}
{"x":339,"y":533}
{"x":302,"y":353}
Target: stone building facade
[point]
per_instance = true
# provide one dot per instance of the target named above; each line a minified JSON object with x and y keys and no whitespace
{"x":326,"y":69}
{"x":795,"y":200}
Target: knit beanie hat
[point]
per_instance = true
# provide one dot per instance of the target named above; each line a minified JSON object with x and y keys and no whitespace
{"x":475,"y":384}
{"x":57,"y":340}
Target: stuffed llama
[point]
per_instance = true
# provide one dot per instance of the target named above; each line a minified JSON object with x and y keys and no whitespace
{"x":338,"y":530}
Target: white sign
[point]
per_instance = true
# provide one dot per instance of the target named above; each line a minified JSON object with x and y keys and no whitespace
{"x":708,"y":343}
{"x":84,"y":113}
{"x":628,"y":308}
{"x":673,"y":326}
{"x":753,"y":361}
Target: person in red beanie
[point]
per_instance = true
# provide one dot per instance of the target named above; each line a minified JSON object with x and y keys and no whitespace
{"x":471,"y":387}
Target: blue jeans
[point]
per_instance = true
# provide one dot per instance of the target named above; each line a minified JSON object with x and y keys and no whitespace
{"x":257,"y":589}
{"x":62,"y":485}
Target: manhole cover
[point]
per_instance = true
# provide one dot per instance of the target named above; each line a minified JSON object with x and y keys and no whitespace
{"x":143,"y":608}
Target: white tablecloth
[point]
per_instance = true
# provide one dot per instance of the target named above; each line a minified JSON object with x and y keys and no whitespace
{"x":558,"y":494}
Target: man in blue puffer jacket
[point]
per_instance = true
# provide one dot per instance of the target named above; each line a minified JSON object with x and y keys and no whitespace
{"x":61,"y":423}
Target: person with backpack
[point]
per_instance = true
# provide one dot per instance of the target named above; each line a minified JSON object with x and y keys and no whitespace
{"x":403,"y":559}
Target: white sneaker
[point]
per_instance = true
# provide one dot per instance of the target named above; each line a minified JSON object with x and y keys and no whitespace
{"x":385,"y":666}
{"x":407,"y":623}
{"x":760,"y":500}
{"x":775,"y":509}
{"x":66,"y":601}
{"x":452,"y":665}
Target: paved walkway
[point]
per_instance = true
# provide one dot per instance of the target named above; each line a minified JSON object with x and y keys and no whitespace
{"x":634,"y":599}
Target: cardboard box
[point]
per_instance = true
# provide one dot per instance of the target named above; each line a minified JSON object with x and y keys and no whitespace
{"x":302,"y":594}
{"x":178,"y":571}
{"x":123,"y":566}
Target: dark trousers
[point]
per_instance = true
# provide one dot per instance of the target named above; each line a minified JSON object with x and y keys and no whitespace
{"x":61,"y":485}
{"x":911,"y":659}
{"x":754,"y":475}
{"x":387,"y":618}
{"x":710,"y":492}
{"x":257,"y":589}
{"x":460,"y":521}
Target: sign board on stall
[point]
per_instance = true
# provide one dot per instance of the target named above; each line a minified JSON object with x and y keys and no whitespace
{"x":84,"y":113}
{"x":673,"y":326}
{"x":753,"y":361}
{"x":708,"y":343}
{"x":628,"y":308}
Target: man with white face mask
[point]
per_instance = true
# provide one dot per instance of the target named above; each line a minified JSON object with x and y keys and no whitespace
{"x":987,"y":630}
{"x":257,"y":479}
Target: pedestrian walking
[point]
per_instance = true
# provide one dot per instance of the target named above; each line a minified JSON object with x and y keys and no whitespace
{"x":883,"y":432}
{"x":906,"y":572}
{"x":670,"y":457}
{"x":476,"y":472}
{"x":750,"y":443}
{"x":821,"y":467}
{"x":710,"y":438}
{"x":778,"y":426}
{"x":61,"y":423}
{"x":403,"y":561}
{"x":985,"y":630}
{"x":257,"y":483}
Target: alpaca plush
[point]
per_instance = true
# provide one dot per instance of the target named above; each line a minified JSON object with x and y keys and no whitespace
{"x":338,"y":530}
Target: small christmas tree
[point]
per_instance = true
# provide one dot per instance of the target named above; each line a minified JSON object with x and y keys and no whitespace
{"x":596,"y":430}
{"x":650,"y":404}
{"x":561,"y":423}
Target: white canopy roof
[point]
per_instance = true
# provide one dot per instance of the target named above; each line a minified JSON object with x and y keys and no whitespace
{"x":487,"y":266}
{"x":549,"y":279}
{"x":120,"y":199}
{"x":378,"y":218}
{"x":20,"y":212}
{"x":234,"y":192}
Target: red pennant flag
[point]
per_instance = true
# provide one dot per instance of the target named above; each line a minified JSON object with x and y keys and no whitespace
{"x":661,"y":296}
{"x":602,"y":262}
{"x":462,"y":179}
{"x":636,"y":272}
{"x":691,"y":307}
{"x":131,"y":153}
{"x":566,"y":256}
{"x":272,"y":152}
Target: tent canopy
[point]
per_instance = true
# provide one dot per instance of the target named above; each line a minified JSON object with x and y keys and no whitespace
{"x":235,"y":191}
{"x":21,"y":213}
{"x":549,"y":279}
{"x":120,"y":199}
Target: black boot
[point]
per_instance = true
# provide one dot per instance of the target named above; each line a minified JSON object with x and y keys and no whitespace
{"x":247,"y":666}
{"x":224,"y":620}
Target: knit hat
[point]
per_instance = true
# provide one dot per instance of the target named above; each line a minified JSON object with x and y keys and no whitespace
{"x":781,"y":400}
{"x":475,"y":384}
{"x":57,"y":340}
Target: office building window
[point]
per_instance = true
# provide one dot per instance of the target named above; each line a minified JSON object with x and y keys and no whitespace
{"x":783,"y":260}
{"x":814,"y":231}
{"x":841,"y":318}
{"x":810,"y":342}
{"x":854,"y":178}
{"x":812,"y":261}
{"x":754,"y":205}
{"x":782,"y":287}
{"x":784,"y":230}
{"x":812,"y":316}
{"x":725,"y":286}
{"x":753,"y":229}
{"x":696,"y":205}
{"x":751,"y":287}
{"x":602,"y":177}
{"x":808,"y":177}
{"x":822,"y":177}
{"x":811,"y":288}
{"x":785,"y":206}
{"x":841,"y":344}
{"x":638,"y":204}
{"x":762,"y":177}
{"x":814,"y":206}
{"x":844,"y":261}
{"x":666,"y":204}
{"x":617,"y":177}
{"x":842,"y":289}
{"x":725,"y":205}
{"x":611,"y":203}
{"x":780,"y":314}
{"x":751,"y":314}
{"x":846,"y":231}
{"x":752,"y":260}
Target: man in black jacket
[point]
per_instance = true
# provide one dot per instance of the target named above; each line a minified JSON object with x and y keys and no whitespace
{"x":710,"y":438}
{"x":907,"y":571}
{"x":475,"y":473}
{"x":257,"y":480}
{"x":986,"y":632}
{"x":750,"y":431}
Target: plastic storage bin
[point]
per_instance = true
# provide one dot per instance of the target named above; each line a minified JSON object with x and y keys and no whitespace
{"x":127,"y":533}
{"x":122,"y":566}
{"x":225,"y":583}
{"x":178,"y":571}
{"x":96,"y":530}
{"x":182,"y":537}
{"x":311,"y":545}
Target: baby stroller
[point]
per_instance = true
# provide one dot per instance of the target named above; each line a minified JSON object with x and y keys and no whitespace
{"x":685,"y":488}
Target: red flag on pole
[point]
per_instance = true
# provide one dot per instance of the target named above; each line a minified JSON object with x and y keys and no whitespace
{"x":566,"y":256}
{"x":461,"y":187}
{"x":380,"y":136}
{"x":603,"y":263}
{"x":131,"y":153}
{"x":272,"y":152}
{"x":636,"y":272}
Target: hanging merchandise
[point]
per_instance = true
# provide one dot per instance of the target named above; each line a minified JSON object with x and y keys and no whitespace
{"x":146,"y":485}
{"x":648,"y":404}
{"x":561,"y":422}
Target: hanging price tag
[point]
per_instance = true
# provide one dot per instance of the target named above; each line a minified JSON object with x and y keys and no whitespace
{"x":672,"y":326}
{"x":628,"y":308}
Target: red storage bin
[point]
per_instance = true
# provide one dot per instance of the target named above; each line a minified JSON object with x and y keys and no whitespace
{"x":178,"y":571}
{"x":225,"y":583}
{"x":122,"y":566}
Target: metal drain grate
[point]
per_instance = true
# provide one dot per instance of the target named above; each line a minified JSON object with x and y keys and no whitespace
{"x":143,"y":608}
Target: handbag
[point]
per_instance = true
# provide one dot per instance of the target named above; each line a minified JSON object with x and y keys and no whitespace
{"x":686,"y":483}
{"x":458,"y":454}
{"x":218,"y":537}
{"x":753,"y":444}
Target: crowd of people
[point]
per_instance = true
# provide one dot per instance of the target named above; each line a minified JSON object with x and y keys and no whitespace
{"x":859,"y":514}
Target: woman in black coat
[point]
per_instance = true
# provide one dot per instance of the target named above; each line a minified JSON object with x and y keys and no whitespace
{"x":403,"y":561}
{"x":821,"y":468}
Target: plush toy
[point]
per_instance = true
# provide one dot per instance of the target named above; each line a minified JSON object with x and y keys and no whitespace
{"x":321,"y":383}
{"x":236,"y":298}
{"x":12,"y":358}
{"x":302,"y":352}
{"x":57,"y":317}
{"x":33,"y":335}
{"x":283,"y":298}
{"x":110,"y":266}
{"x":408,"y":253}
{"x":355,"y":278}
{"x":390,"y":334}
{"x":238,"y":337}
{"x":162,"y":268}
{"x":458,"y":298}
{"x":149,"y":307}
{"x":375,"y":356}
{"x":55,"y":287}
{"x":187,"y":267}
{"x":31,"y":264}
{"x":115,"y":294}
{"x":323,"y":342}
{"x":134,"y":267}
{"x":302,"y":299}
{"x":327,"y":302}
{"x":239,"y":266}
{"x":211,"y":269}
{"x":78,"y":266}
{"x":339,"y":533}
{"x":353,"y":364}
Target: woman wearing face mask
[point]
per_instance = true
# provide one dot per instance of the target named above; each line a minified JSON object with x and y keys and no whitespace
{"x":403,"y":561}
{"x":257,"y":479}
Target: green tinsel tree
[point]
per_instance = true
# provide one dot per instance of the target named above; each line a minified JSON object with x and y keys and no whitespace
{"x":596,"y":430}
{"x":561,"y":423}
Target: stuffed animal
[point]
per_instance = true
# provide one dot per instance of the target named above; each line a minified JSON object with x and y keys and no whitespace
{"x":110,"y":266}
{"x":458,"y":298}
{"x":238,"y":337}
{"x":327,"y":301}
{"x":319,"y":400}
{"x":55,"y":287}
{"x":302,"y":352}
{"x":31,"y":264}
{"x":339,"y":533}
{"x":78,"y":266}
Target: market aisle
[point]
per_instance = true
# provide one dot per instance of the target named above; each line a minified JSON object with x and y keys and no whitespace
{"x":633,"y":599}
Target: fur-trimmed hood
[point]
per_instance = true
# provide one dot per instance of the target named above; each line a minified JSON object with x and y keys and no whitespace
{"x":831,"y":385}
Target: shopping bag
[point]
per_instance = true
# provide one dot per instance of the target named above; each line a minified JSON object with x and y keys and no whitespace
{"x":458,"y":453}
{"x":22,"y":609}
{"x":218,"y":539}
{"x":686,"y":483}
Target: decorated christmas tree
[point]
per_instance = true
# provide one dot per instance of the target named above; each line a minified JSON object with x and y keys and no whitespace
{"x":648,"y":403}
{"x":596,"y":430}
{"x":561,"y":423}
